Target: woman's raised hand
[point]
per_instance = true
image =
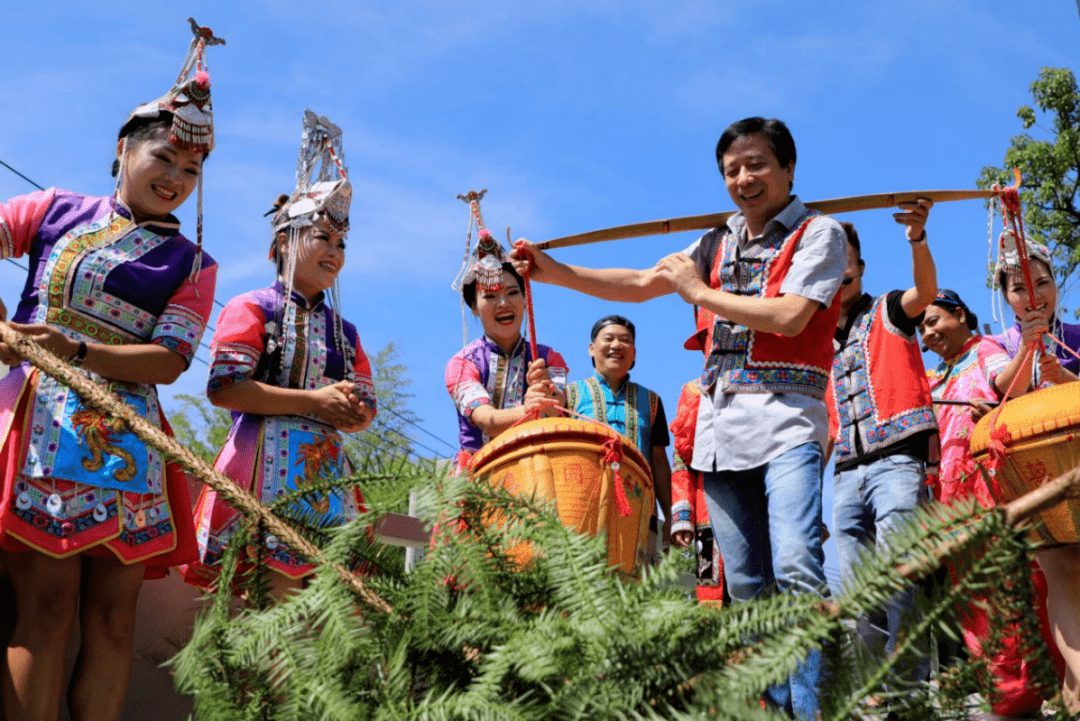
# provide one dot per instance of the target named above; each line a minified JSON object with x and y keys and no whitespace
{"x":1033,"y":324}
{"x":537,"y":372}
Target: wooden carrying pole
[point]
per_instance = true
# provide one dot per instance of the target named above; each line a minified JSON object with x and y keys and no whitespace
{"x":715,"y":220}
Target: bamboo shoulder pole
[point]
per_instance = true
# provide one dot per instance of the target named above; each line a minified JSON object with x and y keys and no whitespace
{"x":98,"y":397}
{"x":715,"y":220}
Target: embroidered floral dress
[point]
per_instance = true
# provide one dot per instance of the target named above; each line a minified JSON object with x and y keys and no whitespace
{"x":271,"y":456}
{"x":73,"y":480}
{"x":1068,"y":333}
{"x":481,"y":374}
{"x":968,"y":376}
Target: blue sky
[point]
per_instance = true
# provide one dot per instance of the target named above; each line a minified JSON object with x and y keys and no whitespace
{"x":575,"y":115}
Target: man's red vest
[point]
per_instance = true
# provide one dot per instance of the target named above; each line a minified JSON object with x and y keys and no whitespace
{"x":748,"y":361}
{"x":878,"y":387}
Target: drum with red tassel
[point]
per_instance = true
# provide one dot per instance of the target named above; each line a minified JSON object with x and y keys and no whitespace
{"x":1031,"y":440}
{"x":599,"y":481}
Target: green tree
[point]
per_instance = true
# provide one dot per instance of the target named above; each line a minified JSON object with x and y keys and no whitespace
{"x":200,"y":426}
{"x":1049,"y":164}
{"x":471,"y":635}
{"x":391,"y":434}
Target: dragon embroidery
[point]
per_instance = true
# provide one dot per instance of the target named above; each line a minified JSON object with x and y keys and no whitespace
{"x":319,"y":458}
{"x":96,"y":430}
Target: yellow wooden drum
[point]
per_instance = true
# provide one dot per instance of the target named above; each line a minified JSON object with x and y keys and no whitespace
{"x":563,"y":460}
{"x":1045,"y":442}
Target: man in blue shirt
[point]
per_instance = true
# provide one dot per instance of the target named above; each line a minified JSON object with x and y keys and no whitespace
{"x":630,"y":408}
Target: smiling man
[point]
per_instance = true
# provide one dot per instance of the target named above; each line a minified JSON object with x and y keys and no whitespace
{"x":771,"y":276}
{"x":611,"y":397}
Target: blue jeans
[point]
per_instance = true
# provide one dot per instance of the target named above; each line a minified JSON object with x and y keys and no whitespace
{"x":870,"y":502}
{"x":767,"y":526}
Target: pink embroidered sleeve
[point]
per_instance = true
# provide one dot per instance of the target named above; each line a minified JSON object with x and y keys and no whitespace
{"x":464,"y":385}
{"x":992,"y":359}
{"x":238,"y":344}
{"x":181,"y":325}
{"x":20,"y":219}
{"x":365,"y":387}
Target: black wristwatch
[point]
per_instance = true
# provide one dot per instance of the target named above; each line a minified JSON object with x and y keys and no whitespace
{"x":80,"y":355}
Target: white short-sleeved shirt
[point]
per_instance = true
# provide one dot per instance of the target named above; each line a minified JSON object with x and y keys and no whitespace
{"x":740,"y":431}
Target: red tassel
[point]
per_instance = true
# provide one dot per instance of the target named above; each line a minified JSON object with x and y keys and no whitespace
{"x":613,"y":455}
{"x":999,"y":438}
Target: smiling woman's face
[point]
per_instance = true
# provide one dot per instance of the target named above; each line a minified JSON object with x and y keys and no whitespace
{"x":157,"y":176}
{"x":319,"y":258}
{"x":944,"y":331}
{"x":1016,"y":294}
{"x":502,"y":311}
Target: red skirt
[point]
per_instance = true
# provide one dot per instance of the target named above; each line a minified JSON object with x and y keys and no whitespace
{"x":156,"y":530}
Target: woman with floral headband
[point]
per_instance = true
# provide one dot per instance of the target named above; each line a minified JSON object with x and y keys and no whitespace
{"x":291,"y":370}
{"x":86,"y":508}
{"x":1036,"y":319}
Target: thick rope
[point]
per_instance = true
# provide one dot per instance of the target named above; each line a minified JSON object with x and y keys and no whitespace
{"x":98,"y":397}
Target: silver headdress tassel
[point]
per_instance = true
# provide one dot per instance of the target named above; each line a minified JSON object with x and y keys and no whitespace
{"x":322,"y":192}
{"x":484,"y":263}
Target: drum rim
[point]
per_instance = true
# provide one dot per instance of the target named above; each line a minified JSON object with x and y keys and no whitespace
{"x":552,"y":429}
{"x":1066,"y":415}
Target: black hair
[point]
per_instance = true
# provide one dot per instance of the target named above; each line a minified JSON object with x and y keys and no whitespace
{"x":950,"y":301}
{"x":613,"y":320}
{"x":852,"y":238}
{"x":776,"y":134}
{"x":468,"y":291}
{"x":970,"y":318}
{"x":275,"y":254}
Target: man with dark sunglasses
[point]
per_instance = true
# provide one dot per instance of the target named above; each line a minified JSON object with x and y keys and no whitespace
{"x":881,"y":419}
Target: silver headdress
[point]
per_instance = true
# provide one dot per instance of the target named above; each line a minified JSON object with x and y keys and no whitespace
{"x":484,"y":264}
{"x":322,"y":192}
{"x":188,"y":100}
{"x":189,"y":97}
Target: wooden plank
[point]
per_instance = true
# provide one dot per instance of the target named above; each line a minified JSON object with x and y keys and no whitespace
{"x":398,"y":529}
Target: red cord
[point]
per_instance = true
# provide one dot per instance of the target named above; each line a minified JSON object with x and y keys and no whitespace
{"x":1000,"y":435}
{"x":523,"y":253}
{"x":1010,"y":204}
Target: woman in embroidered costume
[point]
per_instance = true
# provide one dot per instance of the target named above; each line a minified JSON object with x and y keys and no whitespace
{"x":112,"y":286}
{"x":495,"y":380}
{"x":1036,"y":318}
{"x":975,"y":369}
{"x":290,"y":369}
